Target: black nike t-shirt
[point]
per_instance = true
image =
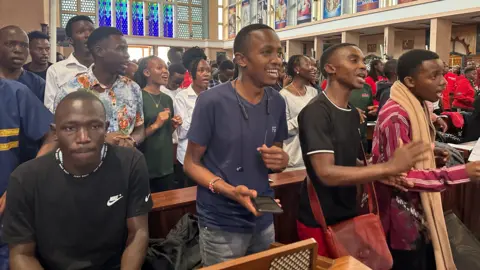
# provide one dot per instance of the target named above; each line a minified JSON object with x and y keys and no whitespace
{"x":77,"y":223}
{"x":326,"y":128}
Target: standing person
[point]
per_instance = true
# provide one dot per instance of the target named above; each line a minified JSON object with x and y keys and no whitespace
{"x":362,"y":100}
{"x":121,"y":96}
{"x":330,"y":141}
{"x":102,"y":222}
{"x":131,"y":70}
{"x":450,"y":89}
{"x":297,"y":95}
{"x":78,"y":30}
{"x":383,"y":87}
{"x":175,"y":56}
{"x":235,"y":138}
{"x":39,"y":45}
{"x":175,"y":79}
{"x":464,"y":94}
{"x":315,"y":83}
{"x":375,"y":74}
{"x":196,"y":62}
{"x":60,"y":57}
{"x":22,"y":115}
{"x":160,"y":123}
{"x":414,"y":220}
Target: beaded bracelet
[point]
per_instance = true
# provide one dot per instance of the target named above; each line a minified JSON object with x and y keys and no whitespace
{"x":211,"y":185}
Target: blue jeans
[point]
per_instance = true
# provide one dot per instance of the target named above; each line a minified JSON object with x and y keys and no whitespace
{"x":217,"y":246}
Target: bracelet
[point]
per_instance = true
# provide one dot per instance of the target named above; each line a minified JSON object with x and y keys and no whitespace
{"x":211,"y":185}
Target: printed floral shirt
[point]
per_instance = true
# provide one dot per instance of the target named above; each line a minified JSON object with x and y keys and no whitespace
{"x":401,"y":212}
{"x":123,"y":101}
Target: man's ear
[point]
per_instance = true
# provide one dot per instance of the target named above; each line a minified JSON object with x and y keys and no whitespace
{"x":330,"y":69}
{"x":240,"y":60}
{"x":409,"y":82}
{"x":53,"y":129}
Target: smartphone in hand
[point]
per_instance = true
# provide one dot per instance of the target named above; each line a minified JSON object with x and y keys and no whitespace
{"x":266,"y":204}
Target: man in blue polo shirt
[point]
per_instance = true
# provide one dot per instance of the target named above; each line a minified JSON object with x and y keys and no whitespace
{"x":235,"y":138}
{"x":22,"y":115}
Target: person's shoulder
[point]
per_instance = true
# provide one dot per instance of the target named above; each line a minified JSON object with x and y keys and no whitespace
{"x":12,"y":86}
{"x":33,"y":169}
{"x":392,"y":112}
{"x":126,"y":155}
{"x":33,"y":77}
{"x":317,"y":106}
{"x":274,"y":95}
{"x":165,"y":96}
{"x":216,"y":93}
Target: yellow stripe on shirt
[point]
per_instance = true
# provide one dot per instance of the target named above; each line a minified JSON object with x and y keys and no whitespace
{"x":8,"y":146}
{"x":9,"y":132}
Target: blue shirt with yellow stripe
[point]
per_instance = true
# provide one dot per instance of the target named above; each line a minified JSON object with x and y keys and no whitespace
{"x":22,"y":115}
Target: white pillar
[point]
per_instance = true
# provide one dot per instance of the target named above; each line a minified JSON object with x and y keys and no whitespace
{"x":53,"y":30}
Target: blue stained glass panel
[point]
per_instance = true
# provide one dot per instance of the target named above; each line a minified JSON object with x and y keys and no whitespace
{"x":153,"y":19}
{"x":104,"y":12}
{"x":168,"y":18}
{"x":121,"y":15}
{"x":137,"y":18}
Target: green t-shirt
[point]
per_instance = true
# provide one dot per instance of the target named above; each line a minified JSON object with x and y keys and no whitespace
{"x":362,"y":99}
{"x":158,"y":147}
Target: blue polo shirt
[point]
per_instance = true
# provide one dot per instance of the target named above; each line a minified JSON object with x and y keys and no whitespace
{"x":22,"y":114}
{"x":232,"y":141}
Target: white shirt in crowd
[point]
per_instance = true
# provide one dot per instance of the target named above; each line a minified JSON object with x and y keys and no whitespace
{"x":183,"y":105}
{"x":59,"y":74}
{"x":294,"y":105}
{"x":172,"y":94}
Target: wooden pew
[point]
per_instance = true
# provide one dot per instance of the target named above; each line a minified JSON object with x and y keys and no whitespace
{"x":170,"y":206}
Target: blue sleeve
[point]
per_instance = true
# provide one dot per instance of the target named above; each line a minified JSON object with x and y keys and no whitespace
{"x":202,"y":125}
{"x":282,"y":130}
{"x":41,"y":89}
{"x":35,"y":118}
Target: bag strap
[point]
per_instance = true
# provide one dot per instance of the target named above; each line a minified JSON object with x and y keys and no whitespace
{"x":370,"y":187}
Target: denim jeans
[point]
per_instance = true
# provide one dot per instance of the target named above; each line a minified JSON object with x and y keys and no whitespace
{"x":217,"y":246}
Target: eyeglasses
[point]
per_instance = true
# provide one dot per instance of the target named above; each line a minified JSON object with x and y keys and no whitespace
{"x":13,"y":44}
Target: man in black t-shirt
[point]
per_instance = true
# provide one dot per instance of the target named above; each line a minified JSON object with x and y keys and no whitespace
{"x":330,"y":141}
{"x":83,"y":206}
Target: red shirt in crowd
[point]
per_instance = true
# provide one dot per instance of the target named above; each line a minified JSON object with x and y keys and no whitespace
{"x":373,"y":84}
{"x":324,"y":85}
{"x":451,"y":79}
{"x":478,"y":77}
{"x":401,"y":212}
{"x":464,"y":94}
{"x":187,"y":80}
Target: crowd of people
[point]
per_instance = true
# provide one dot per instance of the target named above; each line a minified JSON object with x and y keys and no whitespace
{"x":86,"y":140}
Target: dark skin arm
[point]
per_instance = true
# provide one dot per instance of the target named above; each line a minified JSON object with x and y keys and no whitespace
{"x":137,"y":243}
{"x":403,"y":160}
{"x":22,"y":257}
{"x":49,"y":144}
{"x":138,"y":134}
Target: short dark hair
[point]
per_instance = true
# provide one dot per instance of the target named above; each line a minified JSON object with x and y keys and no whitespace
{"x":293,"y":62}
{"x":221,"y":58}
{"x":226,"y":64}
{"x":410,"y":61}
{"x":327,"y":54}
{"x":84,"y":95}
{"x":100,"y":34}
{"x":37,"y":35}
{"x":390,"y":68}
{"x":469,"y":69}
{"x":373,"y":72}
{"x":241,"y":40}
{"x":139,"y":77}
{"x":172,"y":51}
{"x":68,"y":28}
{"x":176,"y":68}
{"x":191,"y":58}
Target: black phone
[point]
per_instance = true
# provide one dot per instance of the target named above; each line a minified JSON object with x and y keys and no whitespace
{"x":266,"y":204}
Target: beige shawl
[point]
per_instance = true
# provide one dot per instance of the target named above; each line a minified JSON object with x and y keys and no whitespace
{"x":423,"y":130}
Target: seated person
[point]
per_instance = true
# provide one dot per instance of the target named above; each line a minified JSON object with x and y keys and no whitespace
{"x":83,"y":206}
{"x":465,"y":92}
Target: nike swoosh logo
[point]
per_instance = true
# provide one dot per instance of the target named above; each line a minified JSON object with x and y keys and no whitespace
{"x":146,"y":198}
{"x":113,"y":200}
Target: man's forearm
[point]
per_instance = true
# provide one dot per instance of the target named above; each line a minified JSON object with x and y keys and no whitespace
{"x":134,"y":254}
{"x":24,"y":262}
{"x":138,"y":134}
{"x":49,"y":145}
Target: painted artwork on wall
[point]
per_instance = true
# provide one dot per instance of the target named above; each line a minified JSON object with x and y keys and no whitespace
{"x":280,"y":14}
{"x":262,"y":11}
{"x":364,"y":5}
{"x":405,"y":1}
{"x":232,"y":21}
{"x":304,"y":11}
{"x":245,"y":13}
{"x":332,"y":8}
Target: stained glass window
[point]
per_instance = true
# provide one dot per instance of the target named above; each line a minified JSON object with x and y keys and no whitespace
{"x":183,"y":31}
{"x":121,"y":15}
{"x":68,"y":5}
{"x":87,"y":6}
{"x":152,"y":19}
{"x":197,"y":2}
{"x":197,"y":14}
{"x":137,"y":18}
{"x":168,"y":18}
{"x":64,"y":17}
{"x":182,"y":1}
{"x":197,"y":31}
{"x":104,"y":12}
{"x":182,"y":12}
